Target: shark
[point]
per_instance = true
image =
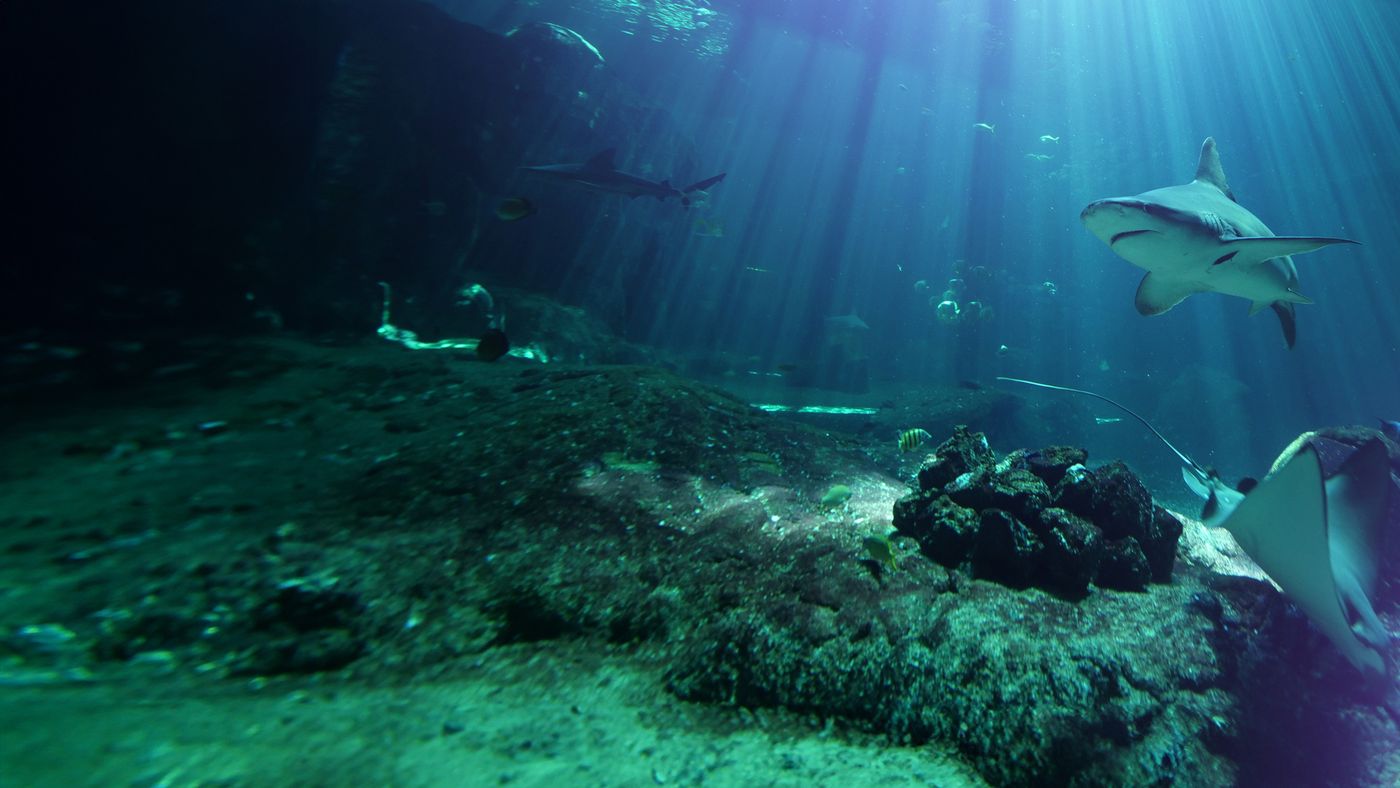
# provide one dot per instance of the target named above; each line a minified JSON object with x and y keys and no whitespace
{"x":1196,"y":238}
{"x":600,"y":173}
{"x":1317,"y":536}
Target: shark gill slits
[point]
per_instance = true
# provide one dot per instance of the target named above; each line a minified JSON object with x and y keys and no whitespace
{"x":1224,"y":258}
{"x":1127,"y":234}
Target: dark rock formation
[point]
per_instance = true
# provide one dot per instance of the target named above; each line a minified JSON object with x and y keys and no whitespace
{"x":1005,"y":521}
{"x":1073,"y":550}
{"x":962,"y":453}
{"x":1124,"y":566}
{"x":1006,"y":550}
{"x":945,"y":530}
{"x":1051,"y":462}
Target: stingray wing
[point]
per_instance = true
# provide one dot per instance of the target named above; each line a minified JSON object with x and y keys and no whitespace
{"x":1283,"y":525}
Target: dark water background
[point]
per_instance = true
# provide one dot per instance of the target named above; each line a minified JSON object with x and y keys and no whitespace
{"x":184,"y":168}
{"x":855,"y":171}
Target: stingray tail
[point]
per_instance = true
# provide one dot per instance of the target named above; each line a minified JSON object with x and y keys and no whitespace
{"x":1194,"y":468}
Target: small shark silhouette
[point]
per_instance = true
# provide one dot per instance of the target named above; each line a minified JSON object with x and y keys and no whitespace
{"x":600,"y":174}
{"x":1196,"y":238}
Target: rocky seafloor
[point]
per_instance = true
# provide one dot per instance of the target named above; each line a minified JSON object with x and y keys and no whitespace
{"x":304,"y":522}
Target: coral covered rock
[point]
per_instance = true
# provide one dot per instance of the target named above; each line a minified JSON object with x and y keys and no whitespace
{"x":1038,"y":518}
{"x":1073,"y":550}
{"x":945,"y":531}
{"x":1051,"y":462}
{"x":1006,"y":550}
{"x":962,"y":453}
{"x":1124,"y":566}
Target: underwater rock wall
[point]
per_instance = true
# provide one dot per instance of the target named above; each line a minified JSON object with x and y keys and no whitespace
{"x":239,"y":167}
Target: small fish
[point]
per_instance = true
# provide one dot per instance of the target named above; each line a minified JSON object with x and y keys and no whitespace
{"x":1039,"y":156}
{"x":882,"y":550}
{"x":1391,"y":429}
{"x":990,"y":128}
{"x":1048,"y":138}
{"x":492,"y":345}
{"x":514,"y":209}
{"x":1106,"y":420}
{"x":910,"y":440}
{"x":836,"y":496}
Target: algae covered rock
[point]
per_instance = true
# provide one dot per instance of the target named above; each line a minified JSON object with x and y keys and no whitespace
{"x":964,"y":452}
{"x":1124,"y":566}
{"x":944,"y":530}
{"x":1073,"y":550}
{"x":1006,"y":550}
{"x":1038,"y":518}
{"x":1122,"y":506}
{"x":1051,"y":462}
{"x":1159,"y":546}
{"x":1075,"y":491}
{"x":1017,"y":491}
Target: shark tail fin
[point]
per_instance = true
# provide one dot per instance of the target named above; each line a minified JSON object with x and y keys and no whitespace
{"x":1208,"y":169}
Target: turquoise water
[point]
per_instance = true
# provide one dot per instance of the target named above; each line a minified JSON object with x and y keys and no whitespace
{"x":856,"y":169}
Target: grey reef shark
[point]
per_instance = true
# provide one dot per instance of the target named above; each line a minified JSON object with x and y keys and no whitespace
{"x":1314,"y":524}
{"x":1196,"y":238}
{"x":601,"y":174}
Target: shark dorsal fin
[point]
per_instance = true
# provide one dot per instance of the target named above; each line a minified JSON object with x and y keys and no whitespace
{"x":602,"y":160}
{"x":1208,"y":169}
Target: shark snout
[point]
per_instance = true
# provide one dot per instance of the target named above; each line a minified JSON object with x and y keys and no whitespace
{"x":1109,"y":219}
{"x":1112,"y":208}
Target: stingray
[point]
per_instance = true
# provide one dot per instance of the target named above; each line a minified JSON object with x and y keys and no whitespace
{"x":1318,"y":538}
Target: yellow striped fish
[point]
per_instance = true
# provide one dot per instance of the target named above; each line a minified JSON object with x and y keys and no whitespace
{"x":910,"y":440}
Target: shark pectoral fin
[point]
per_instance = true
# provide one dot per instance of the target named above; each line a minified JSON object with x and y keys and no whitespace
{"x":705,"y":184}
{"x":1255,"y":249}
{"x":1286,"y":321}
{"x":1156,"y":295}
